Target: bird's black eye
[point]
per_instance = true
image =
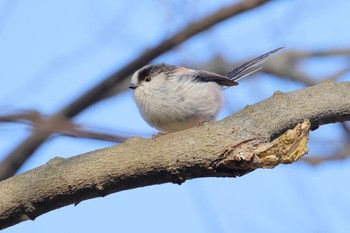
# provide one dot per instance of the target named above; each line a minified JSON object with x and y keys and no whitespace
{"x":148,"y":78}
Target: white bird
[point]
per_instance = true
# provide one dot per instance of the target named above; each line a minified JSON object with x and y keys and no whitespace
{"x":173,"y":98}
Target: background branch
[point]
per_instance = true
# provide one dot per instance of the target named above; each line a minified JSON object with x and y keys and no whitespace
{"x":287,"y":65}
{"x":65,"y":127}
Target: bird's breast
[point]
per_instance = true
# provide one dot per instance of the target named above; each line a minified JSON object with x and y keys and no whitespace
{"x":176,"y":108}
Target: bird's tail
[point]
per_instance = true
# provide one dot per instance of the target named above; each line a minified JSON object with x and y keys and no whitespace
{"x":249,"y":67}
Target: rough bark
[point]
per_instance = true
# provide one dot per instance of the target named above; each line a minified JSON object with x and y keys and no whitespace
{"x":255,"y":137}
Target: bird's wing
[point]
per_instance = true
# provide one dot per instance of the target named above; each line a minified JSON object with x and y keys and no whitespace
{"x":234,"y":75}
{"x":205,"y":76}
{"x":249,"y":67}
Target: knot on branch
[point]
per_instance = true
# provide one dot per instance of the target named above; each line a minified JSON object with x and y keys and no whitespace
{"x":253,"y":154}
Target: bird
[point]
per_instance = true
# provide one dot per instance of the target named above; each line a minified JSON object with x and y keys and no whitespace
{"x":171,"y":98}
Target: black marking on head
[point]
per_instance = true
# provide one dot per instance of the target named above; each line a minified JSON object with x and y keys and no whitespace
{"x":154,"y":70}
{"x":144,"y":72}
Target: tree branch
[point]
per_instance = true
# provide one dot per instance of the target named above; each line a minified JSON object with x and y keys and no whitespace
{"x":65,"y":127}
{"x":13,"y":161}
{"x":287,"y":65}
{"x":341,"y":155}
{"x":255,"y":137}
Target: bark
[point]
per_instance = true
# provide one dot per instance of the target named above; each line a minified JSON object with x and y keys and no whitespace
{"x":255,"y":137}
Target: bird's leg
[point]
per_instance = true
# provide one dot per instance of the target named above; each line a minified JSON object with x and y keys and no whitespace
{"x":157,"y":135}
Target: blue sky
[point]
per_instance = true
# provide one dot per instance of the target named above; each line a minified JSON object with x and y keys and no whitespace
{"x":52,"y":51}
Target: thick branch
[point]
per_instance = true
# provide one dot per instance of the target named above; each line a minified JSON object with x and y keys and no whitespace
{"x":16,"y":158}
{"x":253,"y":138}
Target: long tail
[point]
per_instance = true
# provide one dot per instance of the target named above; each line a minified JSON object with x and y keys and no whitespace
{"x":249,"y":67}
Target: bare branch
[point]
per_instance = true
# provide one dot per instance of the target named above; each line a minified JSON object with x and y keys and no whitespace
{"x":27,"y":117}
{"x":63,"y":127}
{"x":316,"y":160}
{"x":16,"y":158}
{"x":343,"y":153}
{"x":322,"y":53}
{"x":286,"y":65}
{"x":81,"y":132}
{"x":346,"y":128}
{"x":337,"y":75}
{"x":255,"y":137}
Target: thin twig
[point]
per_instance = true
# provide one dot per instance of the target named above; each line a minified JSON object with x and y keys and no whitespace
{"x":65,"y":128}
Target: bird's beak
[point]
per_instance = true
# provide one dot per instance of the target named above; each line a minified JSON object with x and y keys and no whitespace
{"x":132,"y":86}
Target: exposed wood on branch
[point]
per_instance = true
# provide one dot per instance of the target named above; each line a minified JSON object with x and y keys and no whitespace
{"x":255,"y":137}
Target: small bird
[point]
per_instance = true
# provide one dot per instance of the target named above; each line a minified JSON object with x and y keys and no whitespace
{"x":173,"y":98}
